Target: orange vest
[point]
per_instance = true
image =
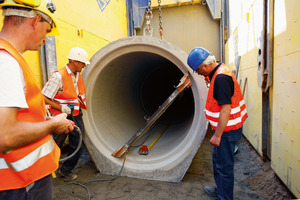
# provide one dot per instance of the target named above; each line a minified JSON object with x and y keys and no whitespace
{"x":238,"y":112}
{"x":69,"y":94}
{"x":25,"y":165}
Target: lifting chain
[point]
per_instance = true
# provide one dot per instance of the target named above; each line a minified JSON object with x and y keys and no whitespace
{"x":148,"y":17}
{"x":161,"y":30}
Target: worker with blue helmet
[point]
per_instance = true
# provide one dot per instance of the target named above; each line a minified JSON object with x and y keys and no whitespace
{"x":197,"y":56}
{"x":224,"y":97}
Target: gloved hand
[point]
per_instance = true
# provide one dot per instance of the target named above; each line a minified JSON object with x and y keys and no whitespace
{"x":71,"y":106}
{"x":66,"y":109}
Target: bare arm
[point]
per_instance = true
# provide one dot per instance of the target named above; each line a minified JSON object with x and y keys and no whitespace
{"x":53,"y":104}
{"x":222,"y":123}
{"x":15,"y":134}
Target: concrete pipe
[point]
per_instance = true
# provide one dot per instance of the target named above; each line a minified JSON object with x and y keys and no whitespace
{"x":126,"y":82}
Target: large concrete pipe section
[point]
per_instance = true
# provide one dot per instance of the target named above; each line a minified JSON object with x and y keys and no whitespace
{"x":126,"y":82}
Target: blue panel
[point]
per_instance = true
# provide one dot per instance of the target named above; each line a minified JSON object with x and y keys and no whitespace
{"x":139,"y":7}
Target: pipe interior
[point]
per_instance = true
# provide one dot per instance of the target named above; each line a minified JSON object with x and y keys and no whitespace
{"x":130,"y":88}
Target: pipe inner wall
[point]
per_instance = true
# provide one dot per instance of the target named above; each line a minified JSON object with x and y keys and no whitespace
{"x":126,"y":83}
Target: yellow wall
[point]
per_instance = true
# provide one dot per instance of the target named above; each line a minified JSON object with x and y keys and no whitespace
{"x":184,"y":26}
{"x":171,"y":3}
{"x":286,"y":94}
{"x":97,"y":27}
{"x":285,"y":91}
{"x":243,"y":42}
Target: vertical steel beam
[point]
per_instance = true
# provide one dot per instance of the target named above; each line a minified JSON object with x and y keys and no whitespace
{"x":48,"y":60}
{"x":130,"y":23}
{"x":267,"y":69}
{"x":43,"y":65}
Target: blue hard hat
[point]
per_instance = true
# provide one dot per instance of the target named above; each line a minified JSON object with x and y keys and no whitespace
{"x":196,"y":57}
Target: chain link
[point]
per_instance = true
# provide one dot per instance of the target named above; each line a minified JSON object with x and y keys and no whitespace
{"x":161,"y":30}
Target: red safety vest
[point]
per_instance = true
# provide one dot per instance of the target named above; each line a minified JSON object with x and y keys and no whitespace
{"x":25,"y":165}
{"x":69,"y":95}
{"x":238,"y":112}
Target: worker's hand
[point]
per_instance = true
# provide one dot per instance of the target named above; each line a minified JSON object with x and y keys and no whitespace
{"x":71,"y":106}
{"x":207,"y":81}
{"x":215,"y":140}
{"x":62,"y":124}
{"x":66,"y":109}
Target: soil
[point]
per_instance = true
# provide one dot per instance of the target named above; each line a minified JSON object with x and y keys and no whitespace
{"x":254,"y":179}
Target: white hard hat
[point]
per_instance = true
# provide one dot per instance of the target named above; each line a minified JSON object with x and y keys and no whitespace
{"x":79,"y":54}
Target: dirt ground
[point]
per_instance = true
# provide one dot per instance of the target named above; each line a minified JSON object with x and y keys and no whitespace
{"x":254,"y":179}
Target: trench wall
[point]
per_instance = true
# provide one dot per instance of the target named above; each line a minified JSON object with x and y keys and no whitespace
{"x":285,"y":91}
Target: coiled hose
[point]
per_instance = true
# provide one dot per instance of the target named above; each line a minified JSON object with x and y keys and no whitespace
{"x":78,"y":147}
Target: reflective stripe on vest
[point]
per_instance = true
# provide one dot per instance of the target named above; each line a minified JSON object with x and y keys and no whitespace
{"x":25,"y":165}
{"x":231,"y":122}
{"x":66,"y":102}
{"x":69,"y":94}
{"x":238,"y":112}
{"x":30,"y":159}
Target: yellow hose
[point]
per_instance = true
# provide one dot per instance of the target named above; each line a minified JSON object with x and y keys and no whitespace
{"x":151,"y":145}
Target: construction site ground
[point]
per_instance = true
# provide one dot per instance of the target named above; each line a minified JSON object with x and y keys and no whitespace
{"x":254,"y":179}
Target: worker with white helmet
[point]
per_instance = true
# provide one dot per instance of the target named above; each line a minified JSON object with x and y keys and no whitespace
{"x":28,"y":154}
{"x":226,"y":111}
{"x":65,"y":93}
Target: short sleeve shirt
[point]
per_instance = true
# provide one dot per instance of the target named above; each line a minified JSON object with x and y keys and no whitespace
{"x":55,"y":84}
{"x":12,"y":82}
{"x":223,"y":87}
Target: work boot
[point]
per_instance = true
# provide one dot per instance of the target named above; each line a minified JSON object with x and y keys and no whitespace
{"x":66,"y":176}
{"x":211,"y":190}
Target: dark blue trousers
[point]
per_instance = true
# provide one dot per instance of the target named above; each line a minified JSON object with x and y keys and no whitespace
{"x":223,"y":163}
{"x":41,"y":189}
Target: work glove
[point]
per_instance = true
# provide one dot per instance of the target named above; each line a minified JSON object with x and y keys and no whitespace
{"x":71,"y":106}
{"x":66,"y":109}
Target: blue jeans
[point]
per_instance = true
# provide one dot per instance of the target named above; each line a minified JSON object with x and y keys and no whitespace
{"x":223,"y":163}
{"x":41,"y":189}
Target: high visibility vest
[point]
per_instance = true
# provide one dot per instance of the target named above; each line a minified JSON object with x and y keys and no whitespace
{"x":23,"y":166}
{"x":238,"y":112}
{"x":69,"y":94}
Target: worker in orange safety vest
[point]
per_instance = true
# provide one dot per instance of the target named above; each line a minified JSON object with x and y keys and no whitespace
{"x":226,"y":111}
{"x":28,"y":154}
{"x":65,"y":93}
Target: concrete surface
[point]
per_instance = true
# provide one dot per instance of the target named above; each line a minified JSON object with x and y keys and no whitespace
{"x":254,"y":180}
{"x":127,"y":81}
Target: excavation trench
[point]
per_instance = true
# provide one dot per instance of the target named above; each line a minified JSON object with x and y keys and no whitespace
{"x":126,"y":83}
